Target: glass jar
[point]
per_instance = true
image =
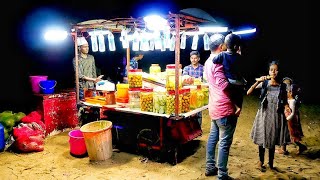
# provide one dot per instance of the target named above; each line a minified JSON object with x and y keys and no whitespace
{"x":154,"y":69}
{"x":159,"y":100}
{"x":146,"y":99}
{"x":205,"y":90}
{"x":171,"y":78}
{"x":135,"y":78}
{"x":185,"y":104}
{"x":134,"y":98}
{"x":171,"y":102}
{"x":200,"y":97}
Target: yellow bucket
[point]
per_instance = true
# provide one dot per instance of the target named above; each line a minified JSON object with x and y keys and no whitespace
{"x":98,"y":139}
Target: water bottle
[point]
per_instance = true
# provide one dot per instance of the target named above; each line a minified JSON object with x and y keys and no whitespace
{"x":167,"y":34}
{"x":112,"y":46}
{"x":151,"y":45}
{"x":195,"y":42}
{"x":124,"y":38}
{"x":172,"y":43}
{"x":183,"y":41}
{"x":94,"y":42}
{"x":102,"y":46}
{"x":136,"y":41}
{"x":2,"y":140}
{"x":206,"y":40}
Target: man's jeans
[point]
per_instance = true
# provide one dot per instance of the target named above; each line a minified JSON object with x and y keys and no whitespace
{"x":225,"y":127}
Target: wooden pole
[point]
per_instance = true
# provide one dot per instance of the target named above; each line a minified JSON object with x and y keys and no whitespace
{"x":128,"y":60}
{"x":177,"y":63}
{"x":76,"y":64}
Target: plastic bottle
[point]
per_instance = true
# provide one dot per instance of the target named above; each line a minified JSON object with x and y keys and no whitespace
{"x":151,"y":45}
{"x":172,"y":43}
{"x":112,"y":46}
{"x":206,"y":40}
{"x":102,"y":46}
{"x":94,"y":42}
{"x":195,"y":42}
{"x":135,"y":42}
{"x":183,"y":41}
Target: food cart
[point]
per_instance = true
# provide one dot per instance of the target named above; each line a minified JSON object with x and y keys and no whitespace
{"x":158,"y":134}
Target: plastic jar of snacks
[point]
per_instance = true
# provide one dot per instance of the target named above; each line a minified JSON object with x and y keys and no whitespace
{"x":205,"y":90}
{"x":122,"y":90}
{"x":134,"y":98}
{"x":154,"y":69}
{"x":171,"y":78}
{"x":193,"y":96}
{"x":159,"y":100}
{"x":171,"y":102}
{"x":146,"y":99}
{"x":200,"y":97}
{"x":185,"y":104}
{"x":135,"y":78}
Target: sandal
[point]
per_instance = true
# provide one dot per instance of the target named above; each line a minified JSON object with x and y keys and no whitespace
{"x":261,"y":167}
{"x":280,"y":151}
{"x":302,"y":149}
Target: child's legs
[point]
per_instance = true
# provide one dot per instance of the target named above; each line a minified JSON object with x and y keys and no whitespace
{"x":271,"y":156}
{"x":261,"y":154}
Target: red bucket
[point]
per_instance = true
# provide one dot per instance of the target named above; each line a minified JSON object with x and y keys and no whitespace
{"x":77,"y":144}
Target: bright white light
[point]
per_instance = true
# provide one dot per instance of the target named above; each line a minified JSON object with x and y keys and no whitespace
{"x":248,"y":31}
{"x":213,"y":29}
{"x":155,"y":22}
{"x":99,"y":32}
{"x":55,"y":35}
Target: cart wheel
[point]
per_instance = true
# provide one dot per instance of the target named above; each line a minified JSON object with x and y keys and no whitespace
{"x":146,"y":139}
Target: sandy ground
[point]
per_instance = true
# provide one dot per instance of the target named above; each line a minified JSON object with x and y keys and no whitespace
{"x":55,"y":162}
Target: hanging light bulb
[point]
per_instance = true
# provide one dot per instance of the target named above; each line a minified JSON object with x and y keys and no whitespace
{"x":183,"y":40}
{"x":195,"y":42}
{"x":102,"y":46}
{"x":112,"y":46}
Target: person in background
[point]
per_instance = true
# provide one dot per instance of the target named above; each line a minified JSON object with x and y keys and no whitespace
{"x":134,"y":64}
{"x":194,"y":70}
{"x":293,"y":117}
{"x":232,"y":62}
{"x":268,"y":129}
{"x":134,"y":60}
{"x":86,"y":68}
{"x":221,"y":111}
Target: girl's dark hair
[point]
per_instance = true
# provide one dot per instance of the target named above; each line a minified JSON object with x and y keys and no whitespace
{"x":274,"y":62}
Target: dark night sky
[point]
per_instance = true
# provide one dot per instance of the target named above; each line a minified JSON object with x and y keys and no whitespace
{"x":282,"y":34}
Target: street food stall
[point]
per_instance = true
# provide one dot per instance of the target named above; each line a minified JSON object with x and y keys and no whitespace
{"x":153,"y":112}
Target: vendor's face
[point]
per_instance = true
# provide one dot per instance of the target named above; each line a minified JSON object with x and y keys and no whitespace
{"x":194,"y":59}
{"x":84,"y":49}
